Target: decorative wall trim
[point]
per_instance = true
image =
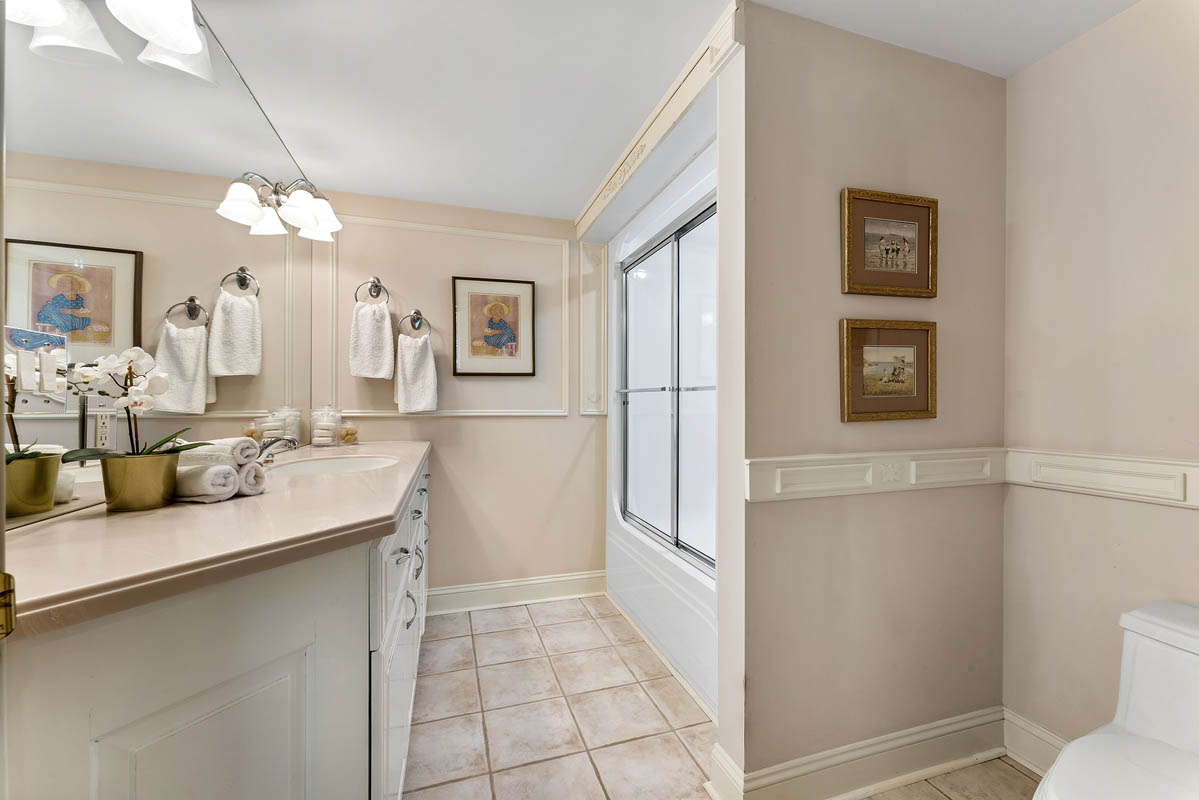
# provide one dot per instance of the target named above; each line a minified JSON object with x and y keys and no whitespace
{"x":112,"y":194}
{"x":593,"y":329}
{"x":335,"y":326}
{"x":860,"y":770}
{"x":474,"y":596}
{"x":1029,"y":743}
{"x":797,"y":477}
{"x":1146,"y":480}
{"x":721,"y":43}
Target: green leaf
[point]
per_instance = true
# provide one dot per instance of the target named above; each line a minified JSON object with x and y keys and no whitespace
{"x":163,"y":441}
{"x":16,"y":456}
{"x":90,"y":454}
{"x":182,"y":447}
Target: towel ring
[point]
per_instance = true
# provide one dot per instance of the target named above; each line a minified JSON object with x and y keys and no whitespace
{"x":418,"y":319}
{"x":375,"y":288}
{"x":192,"y":308}
{"x":243,"y":276}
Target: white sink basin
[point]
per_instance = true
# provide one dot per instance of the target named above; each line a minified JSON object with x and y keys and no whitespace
{"x":331,"y":465}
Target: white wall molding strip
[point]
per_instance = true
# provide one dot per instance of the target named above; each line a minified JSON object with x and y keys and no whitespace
{"x":593,"y":329}
{"x":1029,"y":743}
{"x":797,"y":477}
{"x":860,"y":770}
{"x":474,"y":596}
{"x":1147,"y":480}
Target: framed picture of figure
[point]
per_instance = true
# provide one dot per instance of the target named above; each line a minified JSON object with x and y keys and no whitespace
{"x":888,"y":370}
{"x":494,"y":327}
{"x":90,"y":295}
{"x":888,"y":244}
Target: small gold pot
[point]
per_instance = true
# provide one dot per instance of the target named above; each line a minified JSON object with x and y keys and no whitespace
{"x":29,"y":485}
{"x":135,"y":483}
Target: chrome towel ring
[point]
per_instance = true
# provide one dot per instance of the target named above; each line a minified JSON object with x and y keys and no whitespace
{"x":243,"y":276}
{"x":375,"y":288}
{"x":192,"y":308}
{"x":418,"y":319}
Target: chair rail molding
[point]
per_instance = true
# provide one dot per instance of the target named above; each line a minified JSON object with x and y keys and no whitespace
{"x":1147,"y":480}
{"x":798,"y":477}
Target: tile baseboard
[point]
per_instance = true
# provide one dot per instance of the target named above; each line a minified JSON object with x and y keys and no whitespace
{"x":476,"y":596}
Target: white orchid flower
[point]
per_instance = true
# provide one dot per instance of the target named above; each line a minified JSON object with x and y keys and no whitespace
{"x":86,"y":374}
{"x":10,"y":363}
{"x":156,"y":383}
{"x":112,"y":365}
{"x":137,"y":401}
{"x":141,"y":361}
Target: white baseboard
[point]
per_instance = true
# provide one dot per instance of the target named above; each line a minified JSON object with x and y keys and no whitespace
{"x":474,"y":596}
{"x":1029,"y":743}
{"x":863,"y":769}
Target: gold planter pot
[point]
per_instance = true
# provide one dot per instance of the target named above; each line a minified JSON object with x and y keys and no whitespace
{"x":29,"y":485}
{"x":135,"y":483}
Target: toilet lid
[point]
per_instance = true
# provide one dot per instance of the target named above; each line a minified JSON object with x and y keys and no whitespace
{"x":1119,"y":766}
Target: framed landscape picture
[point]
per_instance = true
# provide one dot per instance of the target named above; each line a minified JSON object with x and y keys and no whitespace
{"x":89,"y":295}
{"x":888,"y":244}
{"x":494,"y":331}
{"x":888,"y":370}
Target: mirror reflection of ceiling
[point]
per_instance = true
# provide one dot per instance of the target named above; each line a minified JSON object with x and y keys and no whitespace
{"x":132,"y":114}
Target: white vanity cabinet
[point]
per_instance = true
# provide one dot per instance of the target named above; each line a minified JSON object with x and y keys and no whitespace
{"x":400,"y":572}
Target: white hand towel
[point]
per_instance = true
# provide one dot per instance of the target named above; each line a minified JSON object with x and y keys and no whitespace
{"x":64,"y":491}
{"x":205,"y":484}
{"x":372,"y":354}
{"x":235,"y":336}
{"x":183,"y":355}
{"x":416,"y":375}
{"x":251,"y":479}
{"x":234,"y":451}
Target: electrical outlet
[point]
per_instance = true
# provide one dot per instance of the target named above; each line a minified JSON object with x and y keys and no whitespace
{"x":106,"y":423}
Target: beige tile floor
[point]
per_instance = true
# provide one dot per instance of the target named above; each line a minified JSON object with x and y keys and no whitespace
{"x":551,"y":700}
{"x":999,"y":779}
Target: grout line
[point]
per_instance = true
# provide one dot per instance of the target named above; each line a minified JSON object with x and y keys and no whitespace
{"x":937,"y":789}
{"x":1015,"y":769}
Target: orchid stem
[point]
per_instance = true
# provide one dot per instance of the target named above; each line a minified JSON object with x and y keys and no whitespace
{"x":11,"y":401}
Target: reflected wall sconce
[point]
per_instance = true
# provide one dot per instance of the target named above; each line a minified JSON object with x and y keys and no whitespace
{"x":265,"y":205}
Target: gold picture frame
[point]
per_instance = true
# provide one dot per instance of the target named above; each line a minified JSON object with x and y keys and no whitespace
{"x":888,"y":370}
{"x":888,"y":244}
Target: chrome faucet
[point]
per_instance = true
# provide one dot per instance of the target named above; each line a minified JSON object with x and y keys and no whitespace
{"x":265,"y":456}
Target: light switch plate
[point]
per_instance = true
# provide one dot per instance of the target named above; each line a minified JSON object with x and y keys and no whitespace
{"x":106,"y":422}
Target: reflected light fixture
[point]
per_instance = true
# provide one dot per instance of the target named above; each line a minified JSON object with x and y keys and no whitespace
{"x":40,"y":13}
{"x":265,"y":205}
{"x":198,"y":65}
{"x":170,"y":24}
{"x":75,"y":40}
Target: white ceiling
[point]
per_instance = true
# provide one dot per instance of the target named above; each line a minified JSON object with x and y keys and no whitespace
{"x":513,"y":105}
{"x":1000,"y":37}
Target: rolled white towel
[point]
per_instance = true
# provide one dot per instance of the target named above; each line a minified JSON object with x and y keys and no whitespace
{"x":251,"y":479}
{"x":216,"y":455}
{"x":241,"y":449}
{"x":205,"y":484}
{"x":64,"y":492}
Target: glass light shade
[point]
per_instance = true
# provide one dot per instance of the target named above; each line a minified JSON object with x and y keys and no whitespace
{"x":299,"y":209}
{"x":269,"y":225}
{"x":75,"y":40}
{"x":241,"y":204}
{"x":166,"y":23}
{"x":198,"y":65}
{"x":316,"y":235}
{"x":40,"y":13}
{"x":326,"y":220}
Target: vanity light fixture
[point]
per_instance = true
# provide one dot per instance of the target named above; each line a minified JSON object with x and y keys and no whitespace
{"x":198,"y":65}
{"x":170,"y":24}
{"x":39,"y":13}
{"x":75,"y":40}
{"x":265,"y":205}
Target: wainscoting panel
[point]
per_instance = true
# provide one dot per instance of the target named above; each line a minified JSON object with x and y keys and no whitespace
{"x":1163,"y":481}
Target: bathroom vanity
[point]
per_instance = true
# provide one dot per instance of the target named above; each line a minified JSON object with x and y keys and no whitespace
{"x":261,"y":647}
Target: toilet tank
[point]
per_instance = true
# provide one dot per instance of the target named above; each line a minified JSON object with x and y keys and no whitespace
{"x":1159,"y":674}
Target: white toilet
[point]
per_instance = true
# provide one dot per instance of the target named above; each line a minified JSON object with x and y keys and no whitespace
{"x":1150,"y":751}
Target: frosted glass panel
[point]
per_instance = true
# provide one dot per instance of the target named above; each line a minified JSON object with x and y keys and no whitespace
{"x":648,"y":320}
{"x":697,"y":305}
{"x":649,"y":458}
{"x":697,"y":471}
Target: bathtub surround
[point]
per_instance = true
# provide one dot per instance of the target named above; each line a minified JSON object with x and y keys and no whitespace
{"x":1100,"y":213}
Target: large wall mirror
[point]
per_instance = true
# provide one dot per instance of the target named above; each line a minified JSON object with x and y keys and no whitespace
{"x":117,"y":156}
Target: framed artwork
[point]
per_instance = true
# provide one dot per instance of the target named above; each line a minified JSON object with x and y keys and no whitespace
{"x":888,"y":370}
{"x":92,"y":296}
{"x":493,"y":327}
{"x":888,"y":244}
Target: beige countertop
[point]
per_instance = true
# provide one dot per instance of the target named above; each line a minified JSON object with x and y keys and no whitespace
{"x":90,"y":563}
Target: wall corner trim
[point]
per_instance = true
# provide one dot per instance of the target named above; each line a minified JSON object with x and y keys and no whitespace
{"x":1030,"y":744}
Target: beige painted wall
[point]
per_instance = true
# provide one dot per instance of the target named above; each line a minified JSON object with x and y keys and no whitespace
{"x":1100,"y":284}
{"x":511,"y":496}
{"x":866,"y":615}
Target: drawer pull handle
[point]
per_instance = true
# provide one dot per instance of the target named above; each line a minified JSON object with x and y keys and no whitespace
{"x":411,"y":619}
{"x":422,"y":490}
{"x":417,"y":513}
{"x":428,"y":475}
{"x":404,"y":555}
{"x":420,"y":568}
